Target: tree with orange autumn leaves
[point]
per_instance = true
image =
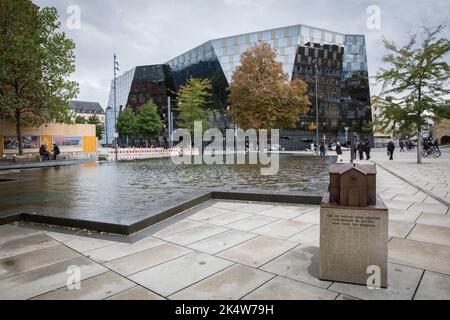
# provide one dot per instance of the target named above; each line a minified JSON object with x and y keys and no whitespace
{"x":261,"y":95}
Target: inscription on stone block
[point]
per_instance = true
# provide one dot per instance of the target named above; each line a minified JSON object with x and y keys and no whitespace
{"x":353,"y":238}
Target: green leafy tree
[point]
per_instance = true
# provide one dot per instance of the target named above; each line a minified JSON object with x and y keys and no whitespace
{"x":94,"y":119}
{"x":193,"y":99}
{"x":80,"y":120}
{"x":149,"y":121}
{"x":417,"y":77}
{"x":35,"y":61}
{"x":127,"y":122}
{"x":261,"y":95}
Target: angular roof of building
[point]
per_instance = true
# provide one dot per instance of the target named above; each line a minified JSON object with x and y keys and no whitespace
{"x":86,"y":107}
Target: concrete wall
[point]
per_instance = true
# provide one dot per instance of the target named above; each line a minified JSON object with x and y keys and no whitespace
{"x":46,"y":135}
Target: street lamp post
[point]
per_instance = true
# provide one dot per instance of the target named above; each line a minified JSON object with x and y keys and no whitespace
{"x":316,"y":62}
{"x":116,"y":68}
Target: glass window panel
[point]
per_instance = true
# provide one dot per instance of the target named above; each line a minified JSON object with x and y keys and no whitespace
{"x":361,"y":41}
{"x":317,"y":34}
{"x":279,"y":33}
{"x":283,"y":42}
{"x":266,"y":36}
{"x":241,"y":40}
{"x":293,"y":31}
{"x":254,"y":38}
{"x":328,"y":36}
{"x":306,"y":31}
{"x":229,"y":42}
{"x":339,"y":39}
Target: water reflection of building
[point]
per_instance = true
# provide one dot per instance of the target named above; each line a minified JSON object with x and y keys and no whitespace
{"x":344,"y":97}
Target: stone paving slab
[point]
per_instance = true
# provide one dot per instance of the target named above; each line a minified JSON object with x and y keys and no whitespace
{"x":256,"y":208}
{"x":404,"y":215}
{"x":312,"y":217}
{"x":258,"y":251}
{"x":35,"y":260}
{"x":400,"y":229}
{"x":281,"y":212}
{"x":117,"y":251}
{"x":95,"y":288}
{"x":434,"y":286}
{"x":433,"y":234}
{"x":37,"y":282}
{"x":84,"y":244}
{"x":12,"y":232}
{"x":196,"y":234}
{"x":282,"y":229}
{"x":280,"y":288}
{"x":177,"y":227}
{"x":424,"y":255}
{"x":177,"y":274}
{"x":228,"y":218}
{"x":20,"y":245}
{"x":309,"y":236}
{"x":230,"y":284}
{"x":136,"y":293}
{"x":222,"y":241}
{"x":146,"y":259}
{"x":402,"y":283}
{"x":301,"y":264}
{"x":208,"y":213}
{"x":434,"y":219}
{"x":251,"y":223}
{"x":230,"y":205}
{"x":430,"y":207}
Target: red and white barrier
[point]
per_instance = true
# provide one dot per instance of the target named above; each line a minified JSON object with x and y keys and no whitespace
{"x":131,"y":154}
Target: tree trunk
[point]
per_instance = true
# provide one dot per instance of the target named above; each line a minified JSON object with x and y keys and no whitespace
{"x":419,"y":147}
{"x":19,"y":133}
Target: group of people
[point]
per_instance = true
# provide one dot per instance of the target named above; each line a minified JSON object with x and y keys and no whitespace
{"x":363,"y":148}
{"x":406,"y":144}
{"x":430,"y":143}
{"x":47,"y":155}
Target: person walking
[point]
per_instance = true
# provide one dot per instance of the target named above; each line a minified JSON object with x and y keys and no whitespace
{"x":361,"y":150}
{"x":367,"y":149}
{"x":322,"y":149}
{"x":339,"y":152}
{"x":402,"y":146}
{"x":390,"y":149}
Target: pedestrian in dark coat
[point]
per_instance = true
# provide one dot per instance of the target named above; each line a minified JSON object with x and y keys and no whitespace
{"x":367,"y":149}
{"x":390,"y":149}
{"x":361,"y":150}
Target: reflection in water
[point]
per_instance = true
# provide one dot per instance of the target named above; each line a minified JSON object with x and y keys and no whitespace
{"x":130,"y":190}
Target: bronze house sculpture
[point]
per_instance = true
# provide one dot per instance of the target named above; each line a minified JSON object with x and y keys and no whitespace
{"x":353,"y":185}
{"x":354,"y":228}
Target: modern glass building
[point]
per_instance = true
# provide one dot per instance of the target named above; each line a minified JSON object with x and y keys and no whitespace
{"x":135,"y":88}
{"x":344,"y":97}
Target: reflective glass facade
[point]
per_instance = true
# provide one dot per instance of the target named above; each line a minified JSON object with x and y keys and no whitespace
{"x":135,"y":88}
{"x":344,"y":97}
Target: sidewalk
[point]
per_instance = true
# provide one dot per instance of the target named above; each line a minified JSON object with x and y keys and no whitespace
{"x":237,"y":250}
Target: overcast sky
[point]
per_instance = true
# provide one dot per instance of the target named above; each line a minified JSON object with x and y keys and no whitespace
{"x":145,"y":32}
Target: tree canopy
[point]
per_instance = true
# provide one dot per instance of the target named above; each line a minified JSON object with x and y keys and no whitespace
{"x":148,"y":120}
{"x":417,"y":77}
{"x":35,"y":61}
{"x":127,"y":122}
{"x":192,"y":101}
{"x":261,"y":95}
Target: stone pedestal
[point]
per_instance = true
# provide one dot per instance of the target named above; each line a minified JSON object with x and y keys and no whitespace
{"x":352,"y":241}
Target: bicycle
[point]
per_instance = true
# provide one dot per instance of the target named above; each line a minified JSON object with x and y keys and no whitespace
{"x":431,"y":151}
